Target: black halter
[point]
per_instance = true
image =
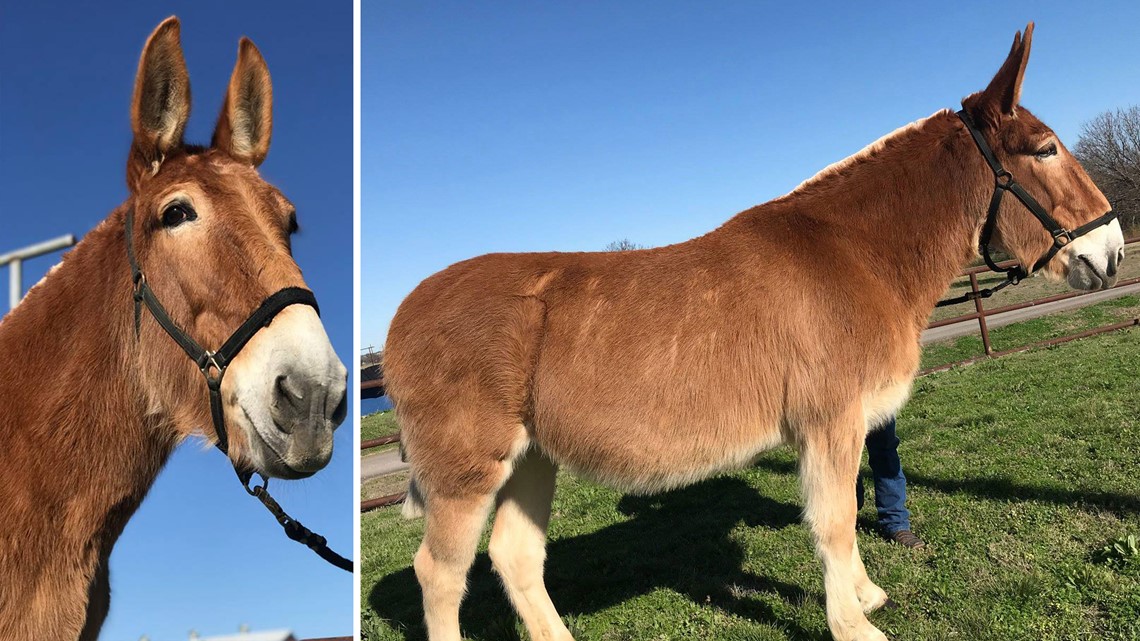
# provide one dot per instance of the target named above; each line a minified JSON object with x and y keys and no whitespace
{"x":213,"y":366}
{"x":1003,"y":182}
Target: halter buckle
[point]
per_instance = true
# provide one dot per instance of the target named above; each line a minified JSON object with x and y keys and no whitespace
{"x":1062,"y":237}
{"x":1003,"y":179}
{"x":211,"y":369}
{"x":139,"y":282}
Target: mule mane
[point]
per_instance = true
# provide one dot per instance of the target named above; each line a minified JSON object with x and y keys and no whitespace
{"x":906,"y":208}
{"x":873,"y":154}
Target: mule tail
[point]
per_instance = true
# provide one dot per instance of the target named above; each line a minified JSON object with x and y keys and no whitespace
{"x":414,"y":503}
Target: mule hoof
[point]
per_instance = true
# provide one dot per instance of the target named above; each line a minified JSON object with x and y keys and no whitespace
{"x":871,"y":633}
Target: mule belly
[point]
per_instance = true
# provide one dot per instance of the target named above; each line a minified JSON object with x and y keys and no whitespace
{"x":651,"y":456}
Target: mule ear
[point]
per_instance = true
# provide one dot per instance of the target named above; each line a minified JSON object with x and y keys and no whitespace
{"x":246,"y":123}
{"x":1004,"y":92}
{"x":161,"y":103}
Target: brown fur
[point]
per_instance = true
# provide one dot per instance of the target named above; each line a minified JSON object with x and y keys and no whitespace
{"x":796,"y":321}
{"x":90,"y":413}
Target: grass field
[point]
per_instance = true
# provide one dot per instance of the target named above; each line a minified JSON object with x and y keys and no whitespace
{"x":1022,"y":471}
{"x":378,"y":424}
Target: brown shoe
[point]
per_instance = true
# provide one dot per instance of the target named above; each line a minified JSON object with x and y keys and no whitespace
{"x":907,"y":539}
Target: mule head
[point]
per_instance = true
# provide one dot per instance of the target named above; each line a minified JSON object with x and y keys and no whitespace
{"x":1029,"y":149}
{"x":213,"y":239}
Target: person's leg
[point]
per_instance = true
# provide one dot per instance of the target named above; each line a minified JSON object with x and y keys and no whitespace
{"x":890,"y":482}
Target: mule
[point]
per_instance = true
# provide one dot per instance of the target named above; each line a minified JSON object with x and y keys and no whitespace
{"x":94,"y":404}
{"x":797,"y":321}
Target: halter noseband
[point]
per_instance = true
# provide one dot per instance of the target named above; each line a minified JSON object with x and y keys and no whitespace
{"x":213,"y":365}
{"x":1003,"y":182}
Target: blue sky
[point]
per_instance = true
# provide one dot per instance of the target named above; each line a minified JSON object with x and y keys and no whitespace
{"x":516,"y":126}
{"x":200,"y":554}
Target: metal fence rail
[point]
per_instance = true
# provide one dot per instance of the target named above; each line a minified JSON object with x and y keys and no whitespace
{"x":389,"y":499}
{"x":15,"y":262}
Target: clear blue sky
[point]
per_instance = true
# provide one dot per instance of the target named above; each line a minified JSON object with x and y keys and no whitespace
{"x":516,"y":126}
{"x":200,"y":553}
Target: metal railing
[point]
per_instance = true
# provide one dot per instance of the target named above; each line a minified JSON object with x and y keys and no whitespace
{"x":371,"y":373}
{"x":389,"y":499}
{"x":980,"y":314}
{"x":15,"y":262}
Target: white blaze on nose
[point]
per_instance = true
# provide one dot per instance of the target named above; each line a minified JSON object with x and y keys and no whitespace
{"x":1092,"y":256}
{"x":282,"y":390}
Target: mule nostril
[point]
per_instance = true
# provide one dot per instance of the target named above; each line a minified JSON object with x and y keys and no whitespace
{"x":285,"y":392}
{"x":341,"y":410}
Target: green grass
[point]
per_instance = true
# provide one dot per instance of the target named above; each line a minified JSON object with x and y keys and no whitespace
{"x":1032,"y":331}
{"x":378,"y":424}
{"x":1023,"y":471}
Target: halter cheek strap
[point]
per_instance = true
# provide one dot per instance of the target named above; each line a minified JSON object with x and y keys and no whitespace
{"x":213,"y":365}
{"x":1003,"y":182}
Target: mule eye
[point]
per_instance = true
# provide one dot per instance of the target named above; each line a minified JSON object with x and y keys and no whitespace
{"x":1046,"y":151}
{"x":178,"y":213}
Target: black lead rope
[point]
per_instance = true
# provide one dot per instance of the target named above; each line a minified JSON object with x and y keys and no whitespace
{"x":1003,"y":182}
{"x":293,"y":528}
{"x":213,"y":366}
{"x":981,"y":293}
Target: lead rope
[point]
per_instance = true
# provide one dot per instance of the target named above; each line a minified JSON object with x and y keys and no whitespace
{"x":213,"y":366}
{"x":1010,"y":279}
{"x":293,"y":528}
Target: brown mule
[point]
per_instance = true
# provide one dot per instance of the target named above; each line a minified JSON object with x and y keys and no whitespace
{"x":797,"y":321}
{"x":90,"y":410}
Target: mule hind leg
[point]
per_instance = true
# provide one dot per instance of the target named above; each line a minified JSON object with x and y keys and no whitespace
{"x":456,"y":484}
{"x":451,"y":534}
{"x":518,"y":544}
{"x":829,"y":463}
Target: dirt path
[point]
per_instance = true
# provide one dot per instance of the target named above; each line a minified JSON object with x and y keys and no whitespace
{"x":385,"y":462}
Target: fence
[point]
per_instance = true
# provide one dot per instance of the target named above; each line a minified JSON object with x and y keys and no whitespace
{"x":390,"y":499}
{"x":980,"y":314}
{"x":371,"y":373}
{"x":15,"y":262}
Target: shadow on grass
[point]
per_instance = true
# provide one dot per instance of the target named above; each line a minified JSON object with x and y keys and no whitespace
{"x":1000,"y":489}
{"x":681,"y":541}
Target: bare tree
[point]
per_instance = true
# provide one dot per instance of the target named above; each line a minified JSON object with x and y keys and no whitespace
{"x":1109,"y":149}
{"x":623,"y":245}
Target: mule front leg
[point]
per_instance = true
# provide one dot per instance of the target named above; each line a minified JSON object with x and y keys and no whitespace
{"x":829,"y":463}
{"x":871,"y":597}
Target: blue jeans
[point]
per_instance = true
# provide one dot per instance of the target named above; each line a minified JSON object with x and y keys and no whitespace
{"x":890,"y":482}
